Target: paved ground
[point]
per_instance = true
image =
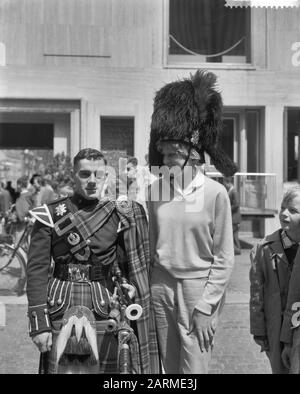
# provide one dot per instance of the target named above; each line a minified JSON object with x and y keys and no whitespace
{"x":235,"y":352}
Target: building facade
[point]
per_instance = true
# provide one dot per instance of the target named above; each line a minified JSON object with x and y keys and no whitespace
{"x":83,"y":73}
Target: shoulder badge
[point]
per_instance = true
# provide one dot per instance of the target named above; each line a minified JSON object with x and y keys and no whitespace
{"x":43,"y":215}
{"x":60,"y":209}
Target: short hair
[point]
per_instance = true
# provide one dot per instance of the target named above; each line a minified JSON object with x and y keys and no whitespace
{"x":132,"y":160}
{"x":33,"y":178}
{"x":22,"y":181}
{"x":89,"y":154}
{"x":291,"y":193}
{"x":228,"y":179}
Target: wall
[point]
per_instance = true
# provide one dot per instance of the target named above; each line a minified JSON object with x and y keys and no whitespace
{"x":110,"y":56}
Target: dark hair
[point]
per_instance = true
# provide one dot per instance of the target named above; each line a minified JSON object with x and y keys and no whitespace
{"x":89,"y":154}
{"x":228,"y":179}
{"x":132,"y":160}
{"x":23,"y":181}
{"x":33,"y":178}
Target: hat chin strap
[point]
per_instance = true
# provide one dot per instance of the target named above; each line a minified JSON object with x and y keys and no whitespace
{"x":188,"y":157}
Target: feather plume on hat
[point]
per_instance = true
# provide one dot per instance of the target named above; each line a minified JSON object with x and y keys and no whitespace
{"x":190,"y":111}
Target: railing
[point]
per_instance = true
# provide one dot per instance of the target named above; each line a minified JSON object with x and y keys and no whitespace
{"x":257,"y":192}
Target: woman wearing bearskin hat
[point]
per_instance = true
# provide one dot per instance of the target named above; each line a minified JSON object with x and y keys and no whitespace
{"x":190,"y":222}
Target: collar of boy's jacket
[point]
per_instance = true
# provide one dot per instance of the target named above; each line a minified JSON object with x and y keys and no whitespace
{"x":287,"y":242}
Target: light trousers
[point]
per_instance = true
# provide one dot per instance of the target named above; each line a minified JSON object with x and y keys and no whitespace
{"x":174,"y":301}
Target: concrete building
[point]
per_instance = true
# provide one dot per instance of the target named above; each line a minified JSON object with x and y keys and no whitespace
{"x":80,"y":73}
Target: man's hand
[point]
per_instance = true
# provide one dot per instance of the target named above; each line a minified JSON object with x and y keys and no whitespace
{"x":204,"y":327}
{"x":43,"y":341}
{"x":130,"y":289}
{"x":286,"y":355}
{"x":262,"y":341}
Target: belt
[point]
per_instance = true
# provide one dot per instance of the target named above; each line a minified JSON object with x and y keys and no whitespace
{"x":80,"y":272}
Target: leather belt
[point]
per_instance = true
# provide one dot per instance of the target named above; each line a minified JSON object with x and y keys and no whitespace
{"x":80,"y":272}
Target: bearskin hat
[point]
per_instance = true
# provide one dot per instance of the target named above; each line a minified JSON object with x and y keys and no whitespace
{"x":190,"y":111}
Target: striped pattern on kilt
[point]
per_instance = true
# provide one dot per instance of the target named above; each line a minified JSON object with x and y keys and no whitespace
{"x":107,"y":342}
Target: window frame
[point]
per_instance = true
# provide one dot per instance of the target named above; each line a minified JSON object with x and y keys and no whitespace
{"x":209,"y":65}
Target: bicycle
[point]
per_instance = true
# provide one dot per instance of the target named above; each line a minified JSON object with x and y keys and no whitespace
{"x":13,"y":259}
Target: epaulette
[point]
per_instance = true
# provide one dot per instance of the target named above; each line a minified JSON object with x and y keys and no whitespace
{"x":43,"y":215}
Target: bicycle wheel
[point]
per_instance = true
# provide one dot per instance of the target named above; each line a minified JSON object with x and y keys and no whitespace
{"x":12,"y":271}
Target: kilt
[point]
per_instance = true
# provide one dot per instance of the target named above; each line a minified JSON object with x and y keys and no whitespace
{"x":107,"y":341}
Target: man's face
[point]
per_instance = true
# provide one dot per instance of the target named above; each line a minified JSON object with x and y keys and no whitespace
{"x":89,"y":178}
{"x":37,"y":183}
{"x":289,"y":217}
{"x":131,"y":170}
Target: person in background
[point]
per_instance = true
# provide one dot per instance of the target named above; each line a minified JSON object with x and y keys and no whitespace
{"x":13,"y":193}
{"x":47,"y":193}
{"x":35,"y":189}
{"x":19,"y":212}
{"x":272,"y":262}
{"x":139,"y":178}
{"x":5,"y":200}
{"x":235,"y":211}
{"x":25,"y":202}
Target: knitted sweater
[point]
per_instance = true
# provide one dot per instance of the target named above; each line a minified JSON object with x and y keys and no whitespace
{"x":191,"y":235}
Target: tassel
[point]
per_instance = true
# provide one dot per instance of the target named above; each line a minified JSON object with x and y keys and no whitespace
{"x":63,"y":337}
{"x":91,"y":335}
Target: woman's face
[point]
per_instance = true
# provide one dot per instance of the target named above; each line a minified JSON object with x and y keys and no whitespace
{"x":174,"y":154}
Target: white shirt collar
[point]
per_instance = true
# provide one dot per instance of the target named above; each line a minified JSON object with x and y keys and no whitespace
{"x":195,"y":184}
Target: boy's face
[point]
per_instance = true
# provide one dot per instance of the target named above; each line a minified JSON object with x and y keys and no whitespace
{"x":289,"y":217}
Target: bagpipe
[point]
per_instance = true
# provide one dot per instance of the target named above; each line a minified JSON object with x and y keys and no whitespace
{"x":124,"y":310}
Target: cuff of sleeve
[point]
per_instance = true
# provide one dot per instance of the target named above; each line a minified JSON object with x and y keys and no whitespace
{"x":204,"y":307}
{"x":38,"y":319}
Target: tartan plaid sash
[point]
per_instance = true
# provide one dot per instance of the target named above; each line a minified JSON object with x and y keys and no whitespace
{"x":82,"y":223}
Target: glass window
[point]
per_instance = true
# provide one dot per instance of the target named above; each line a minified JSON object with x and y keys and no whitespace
{"x":293,"y":131}
{"x":117,"y":137}
{"x":24,"y":135}
{"x":206,"y":31}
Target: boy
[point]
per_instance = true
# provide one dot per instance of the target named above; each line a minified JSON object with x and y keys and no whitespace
{"x":271,"y":266}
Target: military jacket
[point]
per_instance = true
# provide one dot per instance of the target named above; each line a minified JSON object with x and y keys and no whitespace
{"x":55,"y":240}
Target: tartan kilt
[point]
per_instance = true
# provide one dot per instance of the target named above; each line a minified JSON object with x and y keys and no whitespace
{"x":107,"y":341}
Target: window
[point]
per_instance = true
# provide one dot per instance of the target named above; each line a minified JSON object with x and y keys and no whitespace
{"x":117,"y":137}
{"x":242,"y":138}
{"x":202,"y":31}
{"x":26,"y":135}
{"x":293,"y":132}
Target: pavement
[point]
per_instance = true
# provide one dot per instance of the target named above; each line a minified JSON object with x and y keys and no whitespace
{"x":235,"y":352}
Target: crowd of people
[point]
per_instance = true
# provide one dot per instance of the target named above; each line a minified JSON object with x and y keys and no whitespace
{"x":142,"y":262}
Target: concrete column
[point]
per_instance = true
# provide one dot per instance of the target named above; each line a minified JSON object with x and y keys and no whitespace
{"x":75,"y":132}
{"x":274,"y":135}
{"x":90,"y":125}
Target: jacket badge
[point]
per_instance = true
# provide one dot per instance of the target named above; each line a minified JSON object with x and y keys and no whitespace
{"x":61,"y":209}
{"x":73,"y":239}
